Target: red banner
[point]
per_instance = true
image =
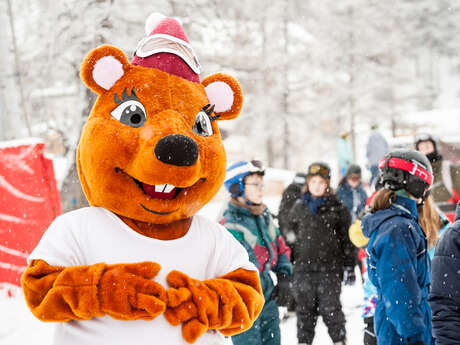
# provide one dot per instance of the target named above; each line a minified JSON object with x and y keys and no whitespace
{"x":29,"y":202}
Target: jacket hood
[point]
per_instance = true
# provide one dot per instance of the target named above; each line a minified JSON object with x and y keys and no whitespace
{"x":401,"y":207}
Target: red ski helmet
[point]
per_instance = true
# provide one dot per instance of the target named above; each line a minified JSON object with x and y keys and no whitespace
{"x":409,"y":170}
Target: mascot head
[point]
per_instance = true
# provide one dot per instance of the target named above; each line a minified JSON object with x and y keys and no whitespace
{"x":151,"y":149}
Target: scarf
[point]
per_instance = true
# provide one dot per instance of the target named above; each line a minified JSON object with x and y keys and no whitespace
{"x":312,"y":202}
{"x":255,"y":210}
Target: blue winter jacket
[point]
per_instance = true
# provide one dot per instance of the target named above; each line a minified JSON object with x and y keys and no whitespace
{"x":347,"y":196}
{"x":445,"y":290}
{"x":399,"y":267}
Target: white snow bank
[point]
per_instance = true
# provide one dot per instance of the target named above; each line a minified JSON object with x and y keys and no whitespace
{"x":21,"y":142}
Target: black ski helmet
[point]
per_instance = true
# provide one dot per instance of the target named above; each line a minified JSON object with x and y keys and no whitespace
{"x":406,"y":169}
{"x":353,"y":169}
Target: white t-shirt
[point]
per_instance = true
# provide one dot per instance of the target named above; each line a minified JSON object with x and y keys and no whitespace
{"x":93,"y":234}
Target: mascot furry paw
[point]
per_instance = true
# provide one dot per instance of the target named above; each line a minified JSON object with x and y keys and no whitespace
{"x":139,"y":266}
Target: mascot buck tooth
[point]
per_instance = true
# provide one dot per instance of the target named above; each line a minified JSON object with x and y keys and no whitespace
{"x":138,"y":266}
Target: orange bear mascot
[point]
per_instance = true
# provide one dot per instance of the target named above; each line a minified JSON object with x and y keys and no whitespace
{"x":139,"y":263}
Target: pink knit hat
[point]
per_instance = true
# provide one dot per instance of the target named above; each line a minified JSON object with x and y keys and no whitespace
{"x":167,"y":48}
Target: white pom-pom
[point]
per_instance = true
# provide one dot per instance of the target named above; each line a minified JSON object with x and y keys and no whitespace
{"x":178,"y":20}
{"x":152,"y":21}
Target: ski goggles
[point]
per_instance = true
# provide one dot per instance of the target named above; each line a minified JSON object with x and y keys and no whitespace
{"x":162,"y":43}
{"x":319,"y":169}
{"x":411,"y":168}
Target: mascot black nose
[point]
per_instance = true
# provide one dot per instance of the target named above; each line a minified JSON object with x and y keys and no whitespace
{"x":177,"y":149}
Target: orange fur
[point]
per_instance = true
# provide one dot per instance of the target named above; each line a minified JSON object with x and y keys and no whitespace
{"x":123,"y":291}
{"x":229,"y":304}
{"x":106,"y":144}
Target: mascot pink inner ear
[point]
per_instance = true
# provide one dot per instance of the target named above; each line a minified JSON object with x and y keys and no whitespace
{"x":107,"y":71}
{"x":221,"y":95}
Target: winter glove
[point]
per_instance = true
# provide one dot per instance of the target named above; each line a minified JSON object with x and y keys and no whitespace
{"x":282,"y":291}
{"x":349,"y":277}
{"x":127,"y":291}
{"x":229,"y":304}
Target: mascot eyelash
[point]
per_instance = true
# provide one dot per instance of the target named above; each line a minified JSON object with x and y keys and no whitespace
{"x":125,"y":97}
{"x":208,"y":109}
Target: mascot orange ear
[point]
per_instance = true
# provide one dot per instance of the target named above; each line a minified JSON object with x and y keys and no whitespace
{"x":102,"y":67}
{"x":224,"y":92}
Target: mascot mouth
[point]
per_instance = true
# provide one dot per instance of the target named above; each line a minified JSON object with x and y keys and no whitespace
{"x":158,"y":191}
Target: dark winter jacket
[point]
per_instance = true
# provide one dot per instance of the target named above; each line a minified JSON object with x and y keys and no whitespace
{"x":321,"y":241}
{"x":353,"y":198}
{"x":291,"y":194}
{"x":445,"y":289}
{"x":262,"y":240}
{"x":399,"y":267}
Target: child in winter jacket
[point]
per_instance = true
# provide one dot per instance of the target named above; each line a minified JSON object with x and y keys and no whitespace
{"x":398,"y":262}
{"x":370,"y":292}
{"x":351,"y":192}
{"x":251,"y":223}
{"x":430,"y":219}
{"x":292,"y":193}
{"x":319,"y":222}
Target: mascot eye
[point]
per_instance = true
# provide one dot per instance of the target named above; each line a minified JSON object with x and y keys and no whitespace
{"x":202,"y":125}
{"x":131,"y":113}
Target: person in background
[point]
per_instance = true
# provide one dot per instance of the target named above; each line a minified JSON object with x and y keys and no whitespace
{"x":344,"y":152}
{"x":292,"y":193}
{"x":370,"y":291}
{"x":376,"y":148}
{"x":444,"y":296}
{"x":351,"y":192}
{"x":319,"y":224}
{"x":398,"y":261}
{"x":251,"y":223}
{"x":446,"y":187}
